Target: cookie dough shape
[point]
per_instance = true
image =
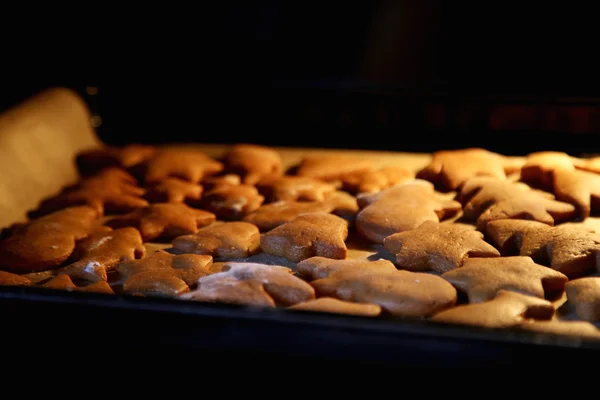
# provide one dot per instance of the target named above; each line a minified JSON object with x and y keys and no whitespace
{"x":252,"y":284}
{"x":401,"y":208}
{"x":308,"y":235}
{"x":222,"y":240}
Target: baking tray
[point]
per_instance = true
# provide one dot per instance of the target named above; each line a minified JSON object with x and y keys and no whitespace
{"x":50,"y":128}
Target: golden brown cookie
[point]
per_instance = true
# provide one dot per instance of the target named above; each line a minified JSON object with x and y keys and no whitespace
{"x":252,"y":284}
{"x":187,"y":164}
{"x":332,"y":167}
{"x":91,"y":161}
{"x":232,"y":203}
{"x":584,"y":293}
{"x":64,"y":282}
{"x":110,"y":191}
{"x":486,"y":199}
{"x":449,"y":169}
{"x":253,"y":162}
{"x":566,"y":328}
{"x":539,"y":167}
{"x":101,"y":252}
{"x":437,"y":247}
{"x":299,"y":188}
{"x":213,"y":181}
{"x":566,"y":249}
{"x":401,"y":208}
{"x":344,"y":204}
{"x":507,"y":309}
{"x":335,"y":306}
{"x":222,"y":240}
{"x":174,"y":190}
{"x":163,"y":274}
{"x":46,"y":242}
{"x":400,"y":293}
{"x":482,"y":278}
{"x":10,"y":279}
{"x":371,"y":181}
{"x":164,"y":220}
{"x":579,"y":188}
{"x":272,"y":215}
{"x":308,"y":235}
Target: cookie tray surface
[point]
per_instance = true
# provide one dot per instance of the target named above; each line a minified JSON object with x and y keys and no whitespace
{"x":45,"y":133}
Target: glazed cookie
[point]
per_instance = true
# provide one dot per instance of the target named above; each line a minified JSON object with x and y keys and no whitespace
{"x":584,"y":293}
{"x":297,"y":188}
{"x":335,"y":306}
{"x":401,"y":208}
{"x":91,"y":161}
{"x":437,"y":247}
{"x":482,"y":278}
{"x":232,"y":203}
{"x":253,"y":162}
{"x":189,"y":165}
{"x":164,"y":220}
{"x":507,"y":309}
{"x":102,"y":251}
{"x":567,"y":249}
{"x":163,"y":274}
{"x":46,"y":242}
{"x":252,"y":284}
{"x":174,"y":190}
{"x":307,"y":235}
{"x":371,"y":181}
{"x":222,"y":240}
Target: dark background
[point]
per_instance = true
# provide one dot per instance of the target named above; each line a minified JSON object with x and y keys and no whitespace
{"x":397,"y":75}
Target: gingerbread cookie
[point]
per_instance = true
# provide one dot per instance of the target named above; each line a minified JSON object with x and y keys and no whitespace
{"x":579,"y":188}
{"x":401,"y":208}
{"x":335,"y":306}
{"x":232,"y":203}
{"x":253,"y":162}
{"x":252,"y":284}
{"x":214,"y":181}
{"x":539,"y":167}
{"x":222,"y":240}
{"x":10,"y":279}
{"x":482,"y":278}
{"x":102,"y":251}
{"x":164,"y":220}
{"x":173,"y":190}
{"x":591,"y":164}
{"x":299,"y":188}
{"x":307,"y":235}
{"x":584,"y":293}
{"x":343,"y":204}
{"x":580,"y":329}
{"x":110,"y":191}
{"x":189,"y":165}
{"x":437,"y":247}
{"x":400,"y":293}
{"x":449,"y":169}
{"x":371,"y":181}
{"x":91,"y":161}
{"x":332,"y":167}
{"x":46,"y":242}
{"x":507,"y":309}
{"x":163,"y":274}
{"x":270,"y":216}
{"x":64,"y":282}
{"x":566,"y":249}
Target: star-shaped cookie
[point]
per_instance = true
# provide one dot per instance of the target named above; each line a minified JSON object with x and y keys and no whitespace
{"x":567,"y":249}
{"x":64,"y":282}
{"x":10,"y":279}
{"x":187,"y":164}
{"x":449,"y":169}
{"x":163,"y":273}
{"x":253,"y":162}
{"x":222,"y":240}
{"x":174,"y":190}
{"x":507,"y":309}
{"x":299,"y":188}
{"x":401,"y":208}
{"x":482,"y":278}
{"x":437,"y":247}
{"x":336,"y":306}
{"x":584,"y":293}
{"x":252,"y":284}
{"x":232,"y":203}
{"x":272,"y":215}
{"x":100,"y":252}
{"x":371,"y":181}
{"x":91,"y":161}
{"x":332,"y":167}
{"x":164,"y":220}
{"x":539,"y":166}
{"x":307,"y":235}
{"x":579,"y":188}
{"x":400,"y":293}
